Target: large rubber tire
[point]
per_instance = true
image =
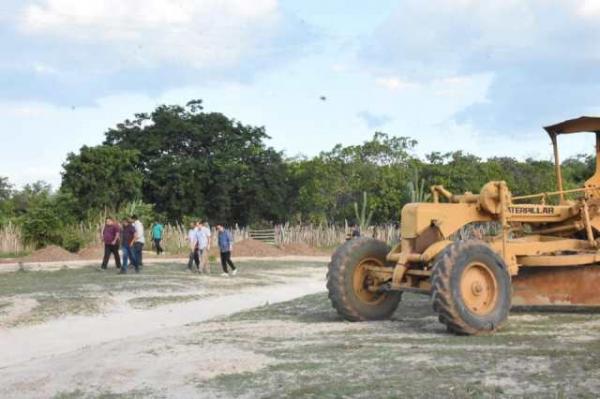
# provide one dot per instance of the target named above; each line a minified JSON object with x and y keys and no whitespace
{"x":346,"y":270}
{"x":471,"y":288}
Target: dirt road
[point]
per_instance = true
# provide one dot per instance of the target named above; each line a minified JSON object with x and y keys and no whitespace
{"x":8,"y":267}
{"x":47,"y":359}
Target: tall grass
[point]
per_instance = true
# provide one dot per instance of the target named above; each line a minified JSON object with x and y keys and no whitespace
{"x":11,"y":240}
{"x":175,"y":236}
{"x":326,"y":236}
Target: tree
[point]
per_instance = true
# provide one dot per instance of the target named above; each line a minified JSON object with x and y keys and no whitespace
{"x":47,"y":219}
{"x":22,"y":199}
{"x":205,"y":164}
{"x":6,"y":190}
{"x":102,"y":177}
{"x":327,"y":186}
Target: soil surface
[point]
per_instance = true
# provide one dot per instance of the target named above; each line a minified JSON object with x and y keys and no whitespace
{"x":252,"y":247}
{"x":91,"y":252}
{"x":245,"y":248}
{"x":49,"y":254}
{"x":268,"y":332}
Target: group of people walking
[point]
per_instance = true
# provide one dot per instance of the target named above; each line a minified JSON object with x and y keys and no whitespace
{"x":130,"y":237}
{"x":199,"y":238}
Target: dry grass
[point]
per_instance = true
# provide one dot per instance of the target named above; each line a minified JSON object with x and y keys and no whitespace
{"x":175,"y":236}
{"x":11,"y":240}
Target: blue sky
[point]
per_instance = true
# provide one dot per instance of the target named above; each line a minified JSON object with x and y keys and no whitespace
{"x":453,"y":74}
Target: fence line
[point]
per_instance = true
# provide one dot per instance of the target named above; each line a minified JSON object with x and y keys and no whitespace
{"x":175,"y":236}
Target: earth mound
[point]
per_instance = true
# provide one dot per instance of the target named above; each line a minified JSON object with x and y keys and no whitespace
{"x":51,"y":253}
{"x":92,"y":252}
{"x":303,"y":249}
{"x":251,"y":247}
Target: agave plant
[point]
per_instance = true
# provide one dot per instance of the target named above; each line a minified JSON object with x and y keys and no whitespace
{"x":362,"y":219}
{"x":416,"y":188}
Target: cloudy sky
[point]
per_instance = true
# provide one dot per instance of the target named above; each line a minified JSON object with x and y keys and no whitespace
{"x":481,"y":76}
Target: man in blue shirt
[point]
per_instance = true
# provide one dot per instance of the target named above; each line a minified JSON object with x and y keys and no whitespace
{"x":225,"y":247}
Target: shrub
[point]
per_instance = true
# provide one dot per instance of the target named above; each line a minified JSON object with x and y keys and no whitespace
{"x":42,"y":225}
{"x":72,"y":240}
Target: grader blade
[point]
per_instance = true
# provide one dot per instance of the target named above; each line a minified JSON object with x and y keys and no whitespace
{"x":557,"y":288}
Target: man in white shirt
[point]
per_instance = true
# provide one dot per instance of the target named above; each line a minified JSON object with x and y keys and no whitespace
{"x":138,"y":240}
{"x":204,"y":237}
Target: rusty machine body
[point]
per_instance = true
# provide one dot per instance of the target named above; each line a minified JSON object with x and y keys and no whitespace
{"x":546,"y":253}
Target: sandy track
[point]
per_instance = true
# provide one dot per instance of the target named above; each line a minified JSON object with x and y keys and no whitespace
{"x":68,"y":334}
{"x":75,"y":264}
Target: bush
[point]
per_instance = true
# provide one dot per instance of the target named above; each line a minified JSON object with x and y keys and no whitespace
{"x":72,"y":241}
{"x":42,"y":224}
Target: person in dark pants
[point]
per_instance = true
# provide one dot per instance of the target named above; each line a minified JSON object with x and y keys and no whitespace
{"x":157,"y":234}
{"x":127,"y":236}
{"x":225,"y":246}
{"x":110,"y":237}
{"x":138,"y":241}
{"x":194,"y":253}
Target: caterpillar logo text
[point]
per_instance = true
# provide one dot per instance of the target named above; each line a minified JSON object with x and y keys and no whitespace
{"x":525,"y":210}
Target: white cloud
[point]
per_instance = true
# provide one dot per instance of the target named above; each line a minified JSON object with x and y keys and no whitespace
{"x":196,"y":33}
{"x":542,"y":56}
{"x":395,"y":84}
{"x":589,"y":8}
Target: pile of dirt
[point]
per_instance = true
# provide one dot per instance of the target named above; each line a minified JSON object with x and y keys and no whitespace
{"x":51,"y":253}
{"x":303,"y":249}
{"x":252,"y":247}
{"x":92,"y":252}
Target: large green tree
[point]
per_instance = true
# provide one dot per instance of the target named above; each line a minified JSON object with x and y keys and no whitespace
{"x":199,"y":163}
{"x":329,"y":184}
{"x":102,"y":177}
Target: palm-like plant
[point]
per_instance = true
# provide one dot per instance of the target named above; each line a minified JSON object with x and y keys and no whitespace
{"x":416,"y":188}
{"x":362,"y":218}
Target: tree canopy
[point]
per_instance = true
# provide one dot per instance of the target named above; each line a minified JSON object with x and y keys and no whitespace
{"x":182,"y":162}
{"x":198,"y":163}
{"x":102,"y":177}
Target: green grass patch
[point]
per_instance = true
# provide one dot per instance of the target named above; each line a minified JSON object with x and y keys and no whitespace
{"x":149,"y":302}
{"x":79,"y":394}
{"x":85,"y":291}
{"x":50,"y":307}
{"x":410,"y":356}
{"x":11,"y":255}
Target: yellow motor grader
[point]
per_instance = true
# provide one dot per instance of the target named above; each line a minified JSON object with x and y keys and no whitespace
{"x":546,"y":253}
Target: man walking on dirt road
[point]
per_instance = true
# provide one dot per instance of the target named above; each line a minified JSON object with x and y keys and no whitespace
{"x":193,"y":241}
{"x":127,"y":236}
{"x":157,"y":233}
{"x":138,"y":241}
{"x":225,"y":246}
{"x":110,"y":237}
{"x":203,"y":235}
